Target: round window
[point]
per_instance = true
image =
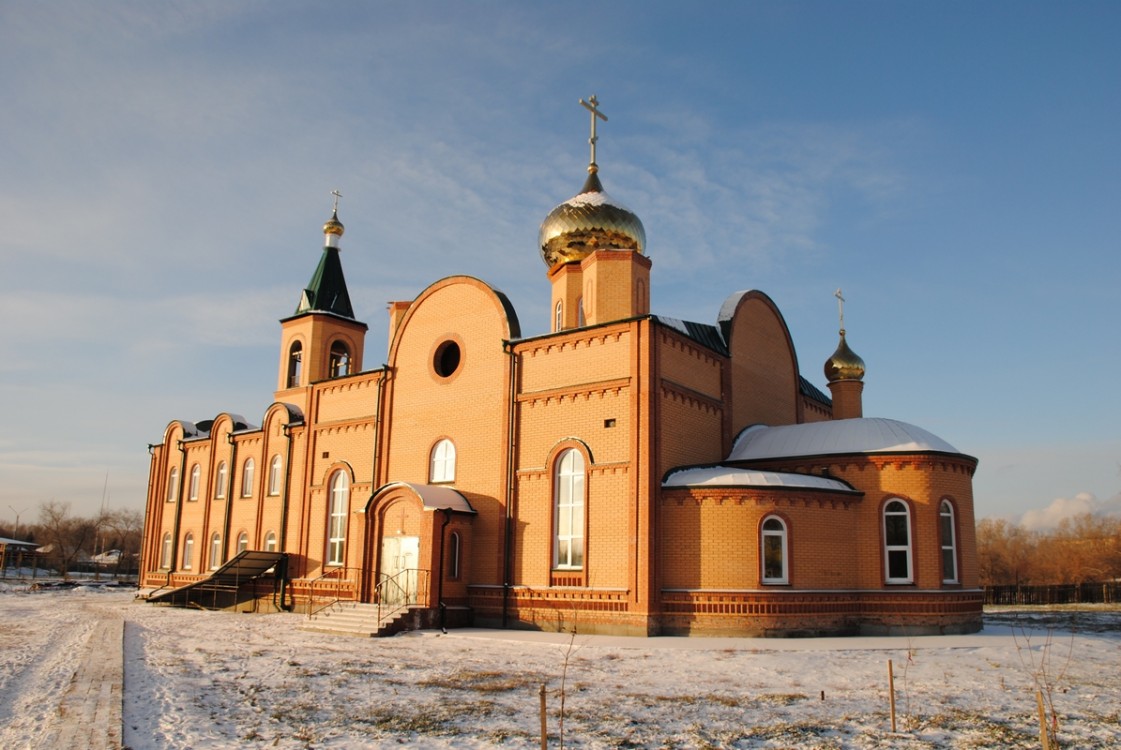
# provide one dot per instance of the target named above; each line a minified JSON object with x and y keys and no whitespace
{"x":447,"y":359}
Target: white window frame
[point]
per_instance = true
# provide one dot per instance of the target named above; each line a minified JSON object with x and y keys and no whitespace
{"x":339,"y":492}
{"x":247,"y":469}
{"x":948,"y":538}
{"x":895,"y":548}
{"x":274,"y":475}
{"x":766,"y":537}
{"x":442,"y":464}
{"x":215,"y":551}
{"x":270,"y":541}
{"x":221,"y":481}
{"x":188,"y":551}
{"x":569,"y":504}
{"x":173,"y":484}
{"x":558,"y":317}
{"x":242,"y":542}
{"x":165,"y":552}
{"x":193,"y":486}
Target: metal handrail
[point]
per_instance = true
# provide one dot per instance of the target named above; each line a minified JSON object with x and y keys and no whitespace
{"x":334,"y":573}
{"x":402,"y":590}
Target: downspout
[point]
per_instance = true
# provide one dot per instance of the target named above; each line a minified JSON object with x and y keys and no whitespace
{"x":367,"y":564}
{"x":229,"y":493}
{"x":178,"y":511}
{"x":440,"y":569}
{"x":284,"y":514}
{"x":508,"y":532}
{"x":149,"y":516}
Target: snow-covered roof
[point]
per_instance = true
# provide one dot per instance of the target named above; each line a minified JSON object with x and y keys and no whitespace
{"x":871,"y":435}
{"x":728,"y":476}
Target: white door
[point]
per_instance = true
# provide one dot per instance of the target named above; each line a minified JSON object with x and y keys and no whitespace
{"x":399,"y":555}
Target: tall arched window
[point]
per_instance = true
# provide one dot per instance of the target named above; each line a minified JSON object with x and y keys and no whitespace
{"x":568,"y":552}
{"x":221,"y":481}
{"x":188,"y":550}
{"x":165,"y":552}
{"x":295,"y":363}
{"x":242,"y":542}
{"x":340,"y":360}
{"x":948,"y":535}
{"x":558,"y":316}
{"x":247,"y":478}
{"x":173,"y":484}
{"x":270,"y":541}
{"x":215,"y":551}
{"x":193,"y":486}
{"x":580,"y":312}
{"x":453,"y":555}
{"x":274,"y":475}
{"x":897,"y":543}
{"x":442,"y":467}
{"x":774,"y":551}
{"x":336,"y":522}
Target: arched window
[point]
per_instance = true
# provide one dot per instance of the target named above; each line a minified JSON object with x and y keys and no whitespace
{"x":188,"y":550}
{"x":247,"y":478}
{"x":453,"y":555}
{"x":173,"y":484}
{"x":580,"y":312}
{"x":568,"y":551}
{"x":558,"y":316}
{"x":165,"y":552}
{"x":948,"y":535}
{"x":193,"y":486}
{"x":336,"y":523}
{"x":270,"y":542}
{"x":295,"y":363}
{"x":443,"y":462}
{"x":242,"y":542}
{"x":274,"y":475}
{"x":340,"y":360}
{"x":220,"y":482}
{"x":215,"y":551}
{"x":774,"y":551}
{"x":897,"y":543}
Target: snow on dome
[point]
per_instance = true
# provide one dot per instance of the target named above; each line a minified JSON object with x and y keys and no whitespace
{"x":872,"y":435}
{"x":727,"y":476}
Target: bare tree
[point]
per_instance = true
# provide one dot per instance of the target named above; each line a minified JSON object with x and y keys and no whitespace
{"x":67,"y":536}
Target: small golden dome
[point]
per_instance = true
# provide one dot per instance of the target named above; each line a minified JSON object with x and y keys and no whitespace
{"x":844,"y":364}
{"x":588,"y":222}
{"x":334,"y":226}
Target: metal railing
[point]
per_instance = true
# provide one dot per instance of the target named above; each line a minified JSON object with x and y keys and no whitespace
{"x":404,"y":589}
{"x":320,"y":589}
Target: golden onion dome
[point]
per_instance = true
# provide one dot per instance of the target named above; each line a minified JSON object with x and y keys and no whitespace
{"x":334,"y":226}
{"x":844,"y":364}
{"x":588,"y":222}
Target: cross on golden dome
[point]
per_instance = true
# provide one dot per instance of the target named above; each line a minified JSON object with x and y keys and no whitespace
{"x":592,"y":105}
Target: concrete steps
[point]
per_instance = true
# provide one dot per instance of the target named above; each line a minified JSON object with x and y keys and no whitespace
{"x":353,"y":618}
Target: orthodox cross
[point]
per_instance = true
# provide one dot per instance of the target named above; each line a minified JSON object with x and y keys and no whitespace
{"x":592,"y":106}
{"x":840,"y":307}
{"x":337,"y":195}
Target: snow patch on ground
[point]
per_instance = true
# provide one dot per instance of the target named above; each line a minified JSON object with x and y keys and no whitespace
{"x":196,"y":679}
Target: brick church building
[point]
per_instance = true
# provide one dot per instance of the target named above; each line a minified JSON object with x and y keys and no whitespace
{"x":623,"y":473}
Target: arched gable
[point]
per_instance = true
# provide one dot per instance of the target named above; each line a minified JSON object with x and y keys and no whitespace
{"x":764,"y":365}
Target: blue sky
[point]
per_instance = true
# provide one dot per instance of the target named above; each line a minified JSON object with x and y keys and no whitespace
{"x":955,"y":167}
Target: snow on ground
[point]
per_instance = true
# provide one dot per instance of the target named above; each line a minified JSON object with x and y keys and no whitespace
{"x":197,"y":679}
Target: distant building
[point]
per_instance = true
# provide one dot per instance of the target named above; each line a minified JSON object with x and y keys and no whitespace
{"x":623,"y":473}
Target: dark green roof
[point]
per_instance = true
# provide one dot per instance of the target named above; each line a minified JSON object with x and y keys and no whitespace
{"x":326,"y":292}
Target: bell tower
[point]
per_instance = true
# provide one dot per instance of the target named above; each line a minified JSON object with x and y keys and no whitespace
{"x":322,"y":340}
{"x":593,"y":246}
